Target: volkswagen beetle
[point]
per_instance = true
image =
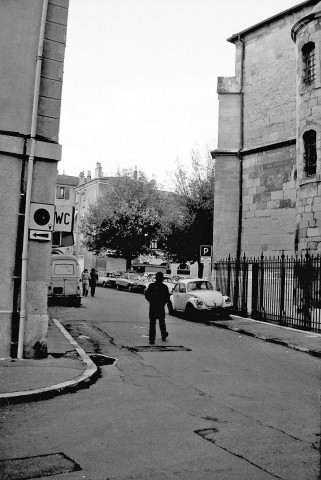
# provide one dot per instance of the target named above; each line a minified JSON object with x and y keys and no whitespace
{"x":198,"y":299}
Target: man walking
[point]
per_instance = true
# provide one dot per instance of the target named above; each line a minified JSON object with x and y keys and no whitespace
{"x":93,"y":281}
{"x":158,"y":296}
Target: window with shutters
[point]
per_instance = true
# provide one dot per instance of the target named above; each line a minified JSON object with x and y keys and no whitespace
{"x":62,"y":193}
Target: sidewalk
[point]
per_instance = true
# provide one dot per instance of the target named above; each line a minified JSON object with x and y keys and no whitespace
{"x":68,"y":366}
{"x":307,"y":342}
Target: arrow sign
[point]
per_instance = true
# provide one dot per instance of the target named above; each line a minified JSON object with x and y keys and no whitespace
{"x":39,"y":235}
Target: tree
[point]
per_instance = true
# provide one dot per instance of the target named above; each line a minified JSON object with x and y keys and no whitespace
{"x":126,"y":219}
{"x":193,"y":225}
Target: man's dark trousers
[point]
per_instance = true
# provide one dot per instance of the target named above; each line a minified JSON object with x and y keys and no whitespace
{"x":153,"y":316}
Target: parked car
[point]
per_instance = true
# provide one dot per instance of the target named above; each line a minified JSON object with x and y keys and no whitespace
{"x":167,"y":280}
{"x":102,"y":277}
{"x":131,"y":282}
{"x":176,"y":278}
{"x":198,"y":299}
{"x":65,"y":281}
{"x":108,"y":279}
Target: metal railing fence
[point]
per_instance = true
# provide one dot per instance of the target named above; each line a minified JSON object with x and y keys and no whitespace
{"x":282,"y":290}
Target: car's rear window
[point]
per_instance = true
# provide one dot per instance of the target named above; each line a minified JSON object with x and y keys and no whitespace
{"x":202,"y":285}
{"x":64,"y":269}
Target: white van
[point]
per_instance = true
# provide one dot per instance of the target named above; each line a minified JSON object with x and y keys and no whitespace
{"x":65,"y":280}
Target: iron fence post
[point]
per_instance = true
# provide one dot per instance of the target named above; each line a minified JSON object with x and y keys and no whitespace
{"x":244,"y":286}
{"x":307,"y":283}
{"x":229,"y":276}
{"x":236,"y":285}
{"x":262,"y":285}
{"x":255,"y":288}
{"x":282,"y":288}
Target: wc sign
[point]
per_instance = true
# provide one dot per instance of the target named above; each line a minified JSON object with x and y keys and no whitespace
{"x":64,"y":218}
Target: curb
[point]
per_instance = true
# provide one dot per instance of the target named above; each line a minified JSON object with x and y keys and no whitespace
{"x":81,"y":380}
{"x":276,"y":341}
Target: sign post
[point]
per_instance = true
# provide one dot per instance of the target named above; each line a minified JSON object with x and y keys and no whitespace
{"x":206,"y":259}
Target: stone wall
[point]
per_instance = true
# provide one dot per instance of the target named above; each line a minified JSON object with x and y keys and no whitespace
{"x":18,"y":60}
{"x":269,"y":202}
{"x":226,"y":206}
{"x":262,"y":99}
{"x":308,"y":219}
{"x":270,"y":83}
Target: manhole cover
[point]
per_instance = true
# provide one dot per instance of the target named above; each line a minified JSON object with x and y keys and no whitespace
{"x":101,"y":360}
{"x":159,"y":348}
{"x":35,"y":467}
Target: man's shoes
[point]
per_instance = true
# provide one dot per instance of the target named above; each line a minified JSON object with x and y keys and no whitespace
{"x":151,"y":343}
{"x":164,"y":336}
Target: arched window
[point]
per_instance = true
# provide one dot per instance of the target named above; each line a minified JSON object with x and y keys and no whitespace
{"x":310,"y":153}
{"x":308,"y":57}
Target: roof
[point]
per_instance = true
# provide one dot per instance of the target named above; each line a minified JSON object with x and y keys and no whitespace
{"x":192,"y":279}
{"x":317,"y":8}
{"x":274,"y":18}
{"x":67,"y":180}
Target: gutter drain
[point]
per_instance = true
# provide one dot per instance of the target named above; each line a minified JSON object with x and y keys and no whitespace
{"x":101,"y":360}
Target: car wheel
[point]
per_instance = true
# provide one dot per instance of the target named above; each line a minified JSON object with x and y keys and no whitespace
{"x":78,"y":302}
{"x":129,"y":288}
{"x":104,"y":284}
{"x":117,"y":287}
{"x":190,"y":313}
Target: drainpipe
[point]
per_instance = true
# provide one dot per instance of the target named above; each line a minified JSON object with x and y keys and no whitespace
{"x":239,"y":232}
{"x":239,"y":244}
{"x":30,"y":163}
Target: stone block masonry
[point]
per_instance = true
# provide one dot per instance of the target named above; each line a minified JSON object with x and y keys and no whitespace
{"x":264,"y":112}
{"x":18,"y":61}
{"x":268,"y":221}
{"x":52,"y":70}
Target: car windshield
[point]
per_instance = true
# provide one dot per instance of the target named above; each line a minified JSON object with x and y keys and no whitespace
{"x":199,"y":285}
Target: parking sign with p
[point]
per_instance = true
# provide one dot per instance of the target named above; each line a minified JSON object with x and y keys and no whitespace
{"x":206,"y":251}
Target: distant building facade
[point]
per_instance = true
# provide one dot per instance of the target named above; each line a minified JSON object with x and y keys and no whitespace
{"x":65,"y":189}
{"x":88,"y":191}
{"x":268,"y":158}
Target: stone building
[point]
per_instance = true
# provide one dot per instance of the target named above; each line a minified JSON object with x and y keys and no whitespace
{"x":267,"y":162}
{"x":65,"y":189}
{"x":33,"y":36}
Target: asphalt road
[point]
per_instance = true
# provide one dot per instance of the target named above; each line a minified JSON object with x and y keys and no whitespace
{"x":222,"y":406}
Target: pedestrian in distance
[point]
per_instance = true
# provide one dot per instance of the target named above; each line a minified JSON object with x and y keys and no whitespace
{"x":85,"y":277}
{"x":157,"y":295}
{"x":93,"y":281}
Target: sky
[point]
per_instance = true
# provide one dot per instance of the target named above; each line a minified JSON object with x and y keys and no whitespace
{"x":140,"y":78}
